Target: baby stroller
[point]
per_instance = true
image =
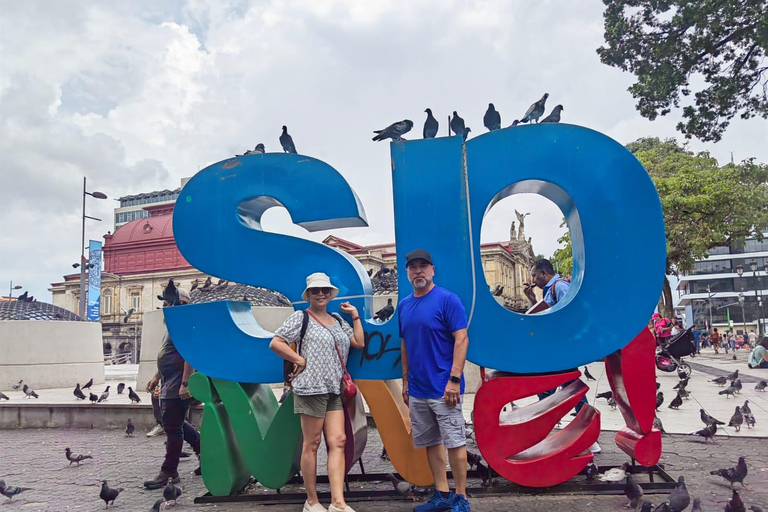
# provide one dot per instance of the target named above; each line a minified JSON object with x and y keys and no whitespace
{"x":670,"y":357}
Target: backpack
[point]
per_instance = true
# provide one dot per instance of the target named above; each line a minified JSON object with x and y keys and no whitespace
{"x":554,"y":287}
{"x":287,"y":365}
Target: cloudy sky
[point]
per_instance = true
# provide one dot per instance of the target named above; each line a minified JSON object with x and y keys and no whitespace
{"x":137,"y":95}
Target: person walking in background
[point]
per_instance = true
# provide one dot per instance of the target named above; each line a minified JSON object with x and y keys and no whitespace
{"x":752,"y":339}
{"x":662,"y":327}
{"x":715,"y":339}
{"x":696,"y":339}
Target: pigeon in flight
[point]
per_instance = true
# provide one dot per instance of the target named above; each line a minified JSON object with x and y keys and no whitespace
{"x":9,"y":491}
{"x":395,"y":131}
{"x":492,"y":118}
{"x":735,"y":474}
{"x":400,"y":486}
{"x":17,"y":387}
{"x":127,"y":317}
{"x":720,"y":381}
{"x":88,"y":384}
{"x":430,"y":125}
{"x":737,"y":419}
{"x":104,"y":395}
{"x":93,"y":397}
{"x":384,"y":313}
{"x":73,"y":457}
{"x":587,"y":374}
{"x":760,"y":386}
{"x":286,"y":141}
{"x":133,"y":396}
{"x":28,"y":392}
{"x":78,"y":392}
{"x":554,"y":116}
{"x":536,"y":110}
{"x":129,"y":428}
{"x":108,"y":494}
{"x":457,"y":124}
{"x":633,"y":492}
{"x":171,"y":492}
{"x":3,"y":396}
{"x":120,"y":388}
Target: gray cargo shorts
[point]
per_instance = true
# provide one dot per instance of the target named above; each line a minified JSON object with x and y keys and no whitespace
{"x":435,"y":423}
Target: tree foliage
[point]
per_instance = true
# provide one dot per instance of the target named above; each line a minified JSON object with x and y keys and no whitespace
{"x":717,"y":47}
{"x":562,"y":258}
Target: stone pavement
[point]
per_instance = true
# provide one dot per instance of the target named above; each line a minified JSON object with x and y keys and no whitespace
{"x":35,"y":458}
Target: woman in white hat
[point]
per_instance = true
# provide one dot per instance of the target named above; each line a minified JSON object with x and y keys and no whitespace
{"x":316,"y":382}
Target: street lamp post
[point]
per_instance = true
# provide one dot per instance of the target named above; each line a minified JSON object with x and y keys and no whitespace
{"x":11,"y":288}
{"x":97,"y":195}
{"x":743,"y":317}
{"x":709,"y":301}
{"x":753,"y":266}
{"x":740,"y":272}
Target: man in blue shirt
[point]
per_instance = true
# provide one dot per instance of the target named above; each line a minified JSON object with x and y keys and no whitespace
{"x":696,"y":339}
{"x":433,"y":332}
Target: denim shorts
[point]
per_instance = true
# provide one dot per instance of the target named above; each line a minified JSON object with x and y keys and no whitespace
{"x":435,"y":423}
{"x":317,"y":405}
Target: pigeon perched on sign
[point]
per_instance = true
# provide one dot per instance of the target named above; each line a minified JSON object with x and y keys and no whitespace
{"x":430,"y":125}
{"x":73,"y":457}
{"x":88,"y":384}
{"x":457,"y":124}
{"x":171,"y":492}
{"x":492,"y":118}
{"x":384,"y":313}
{"x":395,"y":131}
{"x":587,"y":374}
{"x":78,"y":392}
{"x":29,"y":392}
{"x":737,"y":419}
{"x":760,"y":386}
{"x":104,"y":395}
{"x":129,"y":428}
{"x":9,"y":491}
{"x":633,"y":492}
{"x":108,"y":494}
{"x":720,"y":381}
{"x":286,"y":141}
{"x":258,"y":150}
{"x":536,"y":110}
{"x":554,"y":116}
{"x":735,"y":474}
{"x":403,"y":488}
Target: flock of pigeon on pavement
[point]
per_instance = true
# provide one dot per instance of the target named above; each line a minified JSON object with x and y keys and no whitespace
{"x":78,"y":392}
{"x":395,"y":131}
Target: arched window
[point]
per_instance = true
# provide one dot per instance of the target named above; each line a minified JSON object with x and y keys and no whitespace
{"x":106,"y":302}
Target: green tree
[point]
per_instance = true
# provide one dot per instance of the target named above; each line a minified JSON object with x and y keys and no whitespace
{"x":713,"y":48}
{"x":562,"y":258}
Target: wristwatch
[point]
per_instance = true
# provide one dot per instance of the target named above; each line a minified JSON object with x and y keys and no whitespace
{"x":455,"y":380}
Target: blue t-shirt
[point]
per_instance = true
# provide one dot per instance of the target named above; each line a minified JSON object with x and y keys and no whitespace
{"x":561,"y":287}
{"x":427,"y":325}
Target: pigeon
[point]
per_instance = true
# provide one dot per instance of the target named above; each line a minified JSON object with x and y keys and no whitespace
{"x":515,"y":123}
{"x":737,"y":385}
{"x":88,"y":384}
{"x":707,"y":432}
{"x":735,"y":505}
{"x":9,"y":491}
{"x":286,"y":141}
{"x":760,"y":386}
{"x":591,"y":471}
{"x":659,"y":399}
{"x":745,"y":408}
{"x":492,"y":118}
{"x":28,"y":392}
{"x":133,"y":396}
{"x":658,"y":425}
{"x":554,"y":116}
{"x":755,"y":508}
{"x":93,"y":397}
{"x":696,"y":505}
{"x":466,"y":133}
{"x":633,"y":492}
{"x":384,"y":313}
{"x":682,"y":384}
{"x":658,"y":385}
{"x":395,"y":131}
{"x":104,"y":395}
{"x":194,"y":286}
{"x":737,"y":419}
{"x":3,"y":396}
{"x":72,"y":457}
{"x":733,"y":376}
{"x":664,"y":507}
{"x":720,"y":381}
{"x":646,"y":506}
{"x":401,"y":487}
{"x":684,"y":393}
{"x":679,"y":499}
{"x":681,"y":373}
{"x":457,"y":124}
{"x":430,"y":125}
{"x":485,"y":474}
{"x":473,"y":458}
{"x":17,"y":387}
{"x":707,"y":419}
{"x":259,"y":149}
{"x":108,"y":494}
{"x":614,"y":474}
{"x":535,"y":111}
{"x":128,"y":315}
{"x":735,"y":474}
{"x":207,"y":284}
{"x":676,"y":402}
{"x":612,"y":403}
{"x":156,"y":506}
{"x":606,"y":395}
{"x":23,"y":297}
{"x":129,"y":428}
{"x":728,"y":392}
{"x":171,"y":492}
{"x":587,"y":374}
{"x":120,"y":388}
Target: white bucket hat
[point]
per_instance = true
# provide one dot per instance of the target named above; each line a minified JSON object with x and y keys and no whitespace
{"x":319,"y":280}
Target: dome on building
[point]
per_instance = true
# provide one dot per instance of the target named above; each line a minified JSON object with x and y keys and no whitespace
{"x":22,"y":310}
{"x":140,"y":230}
{"x":240,"y":292}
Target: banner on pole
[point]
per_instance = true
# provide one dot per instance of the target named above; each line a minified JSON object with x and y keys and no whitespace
{"x":94,"y":281}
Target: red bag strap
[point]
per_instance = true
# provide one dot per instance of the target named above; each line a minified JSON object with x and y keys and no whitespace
{"x":335,"y":343}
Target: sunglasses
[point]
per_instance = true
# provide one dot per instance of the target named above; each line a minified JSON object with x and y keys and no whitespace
{"x":324,"y":291}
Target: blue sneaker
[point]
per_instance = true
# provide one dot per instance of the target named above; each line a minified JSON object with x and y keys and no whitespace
{"x":460,"y":503}
{"x":436,"y":503}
